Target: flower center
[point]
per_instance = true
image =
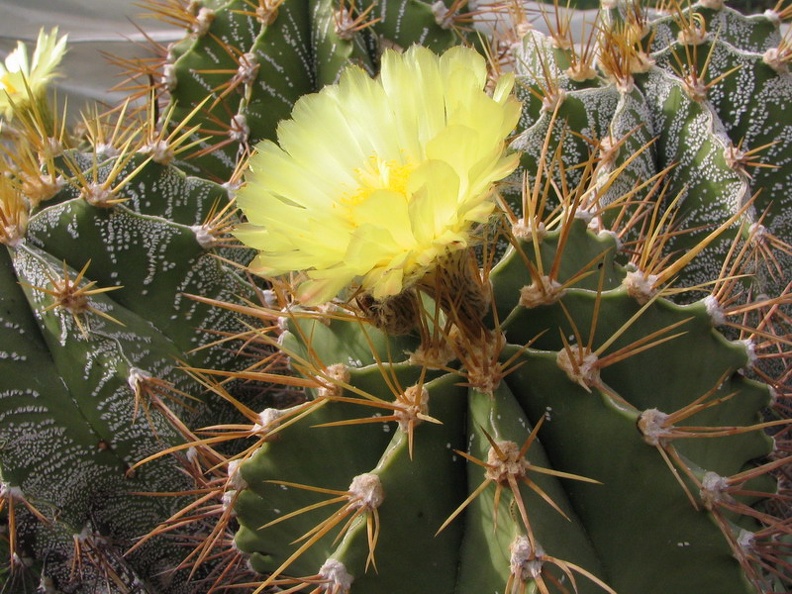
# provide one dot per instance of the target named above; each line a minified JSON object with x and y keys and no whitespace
{"x":376,"y":175}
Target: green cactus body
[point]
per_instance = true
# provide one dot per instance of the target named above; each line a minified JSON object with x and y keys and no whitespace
{"x":627,"y":529}
{"x":628,"y":462}
{"x":599,"y":429}
{"x":81,"y":380}
{"x":705,"y":99}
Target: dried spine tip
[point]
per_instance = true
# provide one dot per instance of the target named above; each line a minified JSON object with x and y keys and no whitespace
{"x":758,"y":234}
{"x":692,"y":35}
{"x":522,"y":230}
{"x":552,"y":99}
{"x":203,"y":21}
{"x":608,"y":151}
{"x":345,"y":25}
{"x":53,"y":147}
{"x":543,"y":292}
{"x":365,"y":491}
{"x":598,"y":226}
{"x":268,"y":420}
{"x":641,"y":62}
{"x":522,"y":28}
{"x":435,"y":355}
{"x":526,"y":561}
{"x":746,"y":541}
{"x":42,"y":187}
{"x":267,"y":11}
{"x":106,"y":151}
{"x":235,"y":480}
{"x":227,"y":500}
{"x":750,"y":351}
{"x":13,"y":218}
{"x":168,"y":79}
{"x":773,"y":16}
{"x":559,"y":41}
{"x":248,"y":68}
{"x":443,"y":16}
{"x":239,"y":130}
{"x":584,"y":212}
{"x":653,"y":425}
{"x":10,"y":493}
{"x":581,"y":72}
{"x":695,"y":88}
{"x":137,"y":377}
{"x":625,"y":84}
{"x":204,"y":236}
{"x":339,"y":580}
{"x":97,"y":195}
{"x":84,"y":535}
{"x":505,"y":462}
{"x":735,"y":158}
{"x":777,"y":60}
{"x":160,"y":150}
{"x":484,"y":370}
{"x":714,"y":490}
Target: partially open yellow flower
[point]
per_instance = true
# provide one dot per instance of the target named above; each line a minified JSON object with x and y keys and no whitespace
{"x":23,"y":80}
{"x":376,"y":179}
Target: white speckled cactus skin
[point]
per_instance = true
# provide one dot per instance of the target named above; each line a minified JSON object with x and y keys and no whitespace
{"x":713,"y":110}
{"x":84,"y":386}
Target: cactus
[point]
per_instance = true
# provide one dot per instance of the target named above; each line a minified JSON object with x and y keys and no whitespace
{"x":597,"y":448}
{"x":687,"y":104}
{"x":548,"y":432}
{"x":100,"y":250}
{"x":568,"y":436}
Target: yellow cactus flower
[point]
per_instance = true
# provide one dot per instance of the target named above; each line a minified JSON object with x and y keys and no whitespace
{"x":373,"y":181}
{"x":23,"y":80}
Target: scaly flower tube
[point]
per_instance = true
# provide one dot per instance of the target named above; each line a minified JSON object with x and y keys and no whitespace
{"x":23,"y":80}
{"x":373,"y":181}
